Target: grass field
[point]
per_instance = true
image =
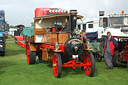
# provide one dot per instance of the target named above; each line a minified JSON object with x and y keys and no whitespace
{"x":10,"y":38}
{"x":14,"y":70}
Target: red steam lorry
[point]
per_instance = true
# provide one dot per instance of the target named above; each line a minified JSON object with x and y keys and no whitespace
{"x":55,"y":38}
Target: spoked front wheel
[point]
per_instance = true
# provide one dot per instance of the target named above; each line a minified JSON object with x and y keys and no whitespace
{"x":89,"y":60}
{"x":57,"y":65}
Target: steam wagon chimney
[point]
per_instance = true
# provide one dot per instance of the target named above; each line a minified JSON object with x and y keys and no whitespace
{"x":73,"y":18}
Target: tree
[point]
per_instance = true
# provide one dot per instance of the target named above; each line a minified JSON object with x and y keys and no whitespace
{"x":11,"y":26}
{"x":32,"y":24}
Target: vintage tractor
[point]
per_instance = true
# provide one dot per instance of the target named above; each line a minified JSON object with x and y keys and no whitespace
{"x":55,"y":38}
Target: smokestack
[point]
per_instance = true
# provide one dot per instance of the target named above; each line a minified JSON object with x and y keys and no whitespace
{"x":73,"y":18}
{"x":101,"y":13}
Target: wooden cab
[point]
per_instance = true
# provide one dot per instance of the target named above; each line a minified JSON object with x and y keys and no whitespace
{"x":52,"y":28}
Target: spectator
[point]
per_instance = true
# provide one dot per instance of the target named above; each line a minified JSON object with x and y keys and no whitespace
{"x":109,"y":48}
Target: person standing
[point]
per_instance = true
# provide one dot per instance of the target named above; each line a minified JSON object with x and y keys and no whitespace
{"x":109,"y":49}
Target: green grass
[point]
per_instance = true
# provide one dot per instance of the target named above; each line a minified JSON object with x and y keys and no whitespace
{"x":14,"y":70}
{"x":10,"y":38}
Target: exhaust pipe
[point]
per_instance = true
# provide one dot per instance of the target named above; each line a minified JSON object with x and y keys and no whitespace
{"x":73,"y":19}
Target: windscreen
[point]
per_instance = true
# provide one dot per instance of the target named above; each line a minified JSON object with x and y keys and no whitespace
{"x":58,"y":23}
{"x":117,"y":22}
{"x":1,"y":26}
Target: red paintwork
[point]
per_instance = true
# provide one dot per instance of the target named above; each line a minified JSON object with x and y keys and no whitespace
{"x":55,"y":68}
{"x":62,"y":48}
{"x":43,"y":11}
{"x":87,"y":68}
{"x":21,"y":44}
{"x":125,"y":55}
{"x":53,"y":29}
{"x":86,"y":64}
{"x":18,"y":38}
{"x":50,"y":46}
{"x":73,"y":63}
{"x":28,"y":53}
{"x":111,"y":45}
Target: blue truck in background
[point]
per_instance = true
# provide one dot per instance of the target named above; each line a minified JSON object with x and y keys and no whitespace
{"x":2,"y":33}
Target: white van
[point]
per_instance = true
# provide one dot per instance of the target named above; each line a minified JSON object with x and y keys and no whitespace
{"x":91,"y":25}
{"x":11,"y":31}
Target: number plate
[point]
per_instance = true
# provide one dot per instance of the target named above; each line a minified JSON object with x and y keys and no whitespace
{"x":74,"y":56}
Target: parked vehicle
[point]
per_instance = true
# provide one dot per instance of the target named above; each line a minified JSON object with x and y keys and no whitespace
{"x":11,"y":31}
{"x":55,"y":38}
{"x":91,"y":25}
{"x":19,"y":30}
{"x":2,"y":33}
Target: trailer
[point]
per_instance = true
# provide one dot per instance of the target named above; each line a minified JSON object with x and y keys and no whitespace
{"x":55,"y":38}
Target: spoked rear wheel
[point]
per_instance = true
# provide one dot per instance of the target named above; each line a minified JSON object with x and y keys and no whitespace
{"x":31,"y":55}
{"x":116,"y":59}
{"x":89,"y":60}
{"x":57,"y":65}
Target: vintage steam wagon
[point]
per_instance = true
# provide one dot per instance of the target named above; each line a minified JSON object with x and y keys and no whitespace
{"x":55,"y":38}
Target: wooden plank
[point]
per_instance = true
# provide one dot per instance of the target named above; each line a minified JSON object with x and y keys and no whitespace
{"x":40,"y":31}
{"x":62,"y":37}
{"x":58,"y":51}
{"x":32,"y":47}
{"x":44,"y":55}
{"x":51,"y":56}
{"x":50,"y":38}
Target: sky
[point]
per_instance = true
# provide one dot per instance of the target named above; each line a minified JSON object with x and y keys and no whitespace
{"x":22,"y":11}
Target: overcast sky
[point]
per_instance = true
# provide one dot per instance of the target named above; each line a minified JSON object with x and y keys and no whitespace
{"x":22,"y":11}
